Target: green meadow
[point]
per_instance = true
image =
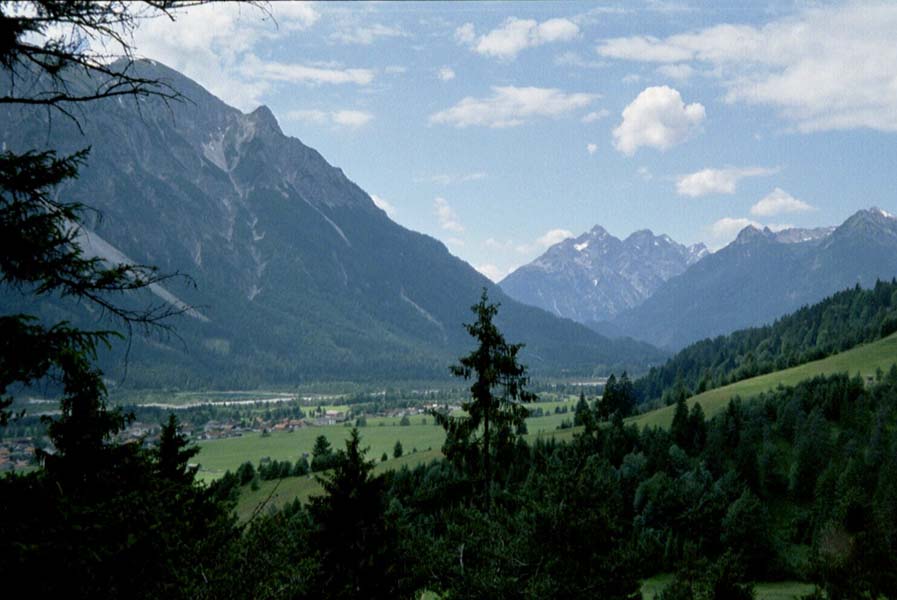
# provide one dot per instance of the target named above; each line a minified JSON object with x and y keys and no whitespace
{"x":380,"y":435}
{"x":865,"y":360}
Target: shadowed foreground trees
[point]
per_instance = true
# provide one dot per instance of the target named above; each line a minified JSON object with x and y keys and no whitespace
{"x":495,"y":411}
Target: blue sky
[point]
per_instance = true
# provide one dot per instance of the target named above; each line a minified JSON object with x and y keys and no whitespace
{"x":500,"y":128}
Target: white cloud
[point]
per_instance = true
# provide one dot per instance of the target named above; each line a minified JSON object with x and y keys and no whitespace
{"x":724,"y":231}
{"x":645,"y":173}
{"x":253,"y":67}
{"x":591,"y":148}
{"x":446,"y":74}
{"x":596,"y":115}
{"x":395,"y":69}
{"x":448,"y":218}
{"x":352,"y":118}
{"x":294,"y":16}
{"x":778,"y":202}
{"x":679,"y":72}
{"x":515,"y":35}
{"x":342,"y":118}
{"x":309,"y":115}
{"x":644,"y":48}
{"x":366,"y":34}
{"x":466,"y":34}
{"x":574,"y":59}
{"x":827,"y":68}
{"x":657,"y":118}
{"x":716,"y":181}
{"x":553,"y":236}
{"x":385,"y":206}
{"x":445,"y":179}
{"x":510,"y":106}
{"x":208,"y":43}
{"x":492,"y":272}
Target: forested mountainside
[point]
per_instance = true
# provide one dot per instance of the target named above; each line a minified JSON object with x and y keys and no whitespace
{"x":296,"y":274}
{"x":838,"y":323}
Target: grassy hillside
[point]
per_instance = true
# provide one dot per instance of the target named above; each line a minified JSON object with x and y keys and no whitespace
{"x":275,"y":493}
{"x":863,"y":359}
{"x":837,"y":324}
{"x":217,"y":456}
{"x":380,"y":435}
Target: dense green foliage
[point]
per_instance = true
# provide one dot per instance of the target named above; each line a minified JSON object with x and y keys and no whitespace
{"x":838,"y":323}
{"x":801,"y":483}
{"x":497,"y":397}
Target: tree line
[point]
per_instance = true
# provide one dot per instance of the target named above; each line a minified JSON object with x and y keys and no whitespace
{"x":836,"y":324}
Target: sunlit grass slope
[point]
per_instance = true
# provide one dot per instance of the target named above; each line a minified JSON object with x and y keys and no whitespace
{"x":863,"y":359}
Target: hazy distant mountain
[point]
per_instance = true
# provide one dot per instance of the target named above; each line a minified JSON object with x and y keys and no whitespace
{"x":298,"y":274}
{"x":596,"y":276}
{"x":761,"y":276}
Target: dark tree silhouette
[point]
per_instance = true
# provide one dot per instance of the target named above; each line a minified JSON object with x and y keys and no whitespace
{"x":497,"y":394}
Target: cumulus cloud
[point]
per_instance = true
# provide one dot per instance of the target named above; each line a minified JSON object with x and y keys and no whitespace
{"x":591,"y":148}
{"x":553,"y":236}
{"x":446,"y":74}
{"x":657,"y":118}
{"x":515,"y":35}
{"x":716,"y":181}
{"x":209,"y":43}
{"x":366,"y":34}
{"x":343,"y":118}
{"x":826,"y":68}
{"x":448,"y":218}
{"x":385,"y":206}
{"x":510,"y":106}
{"x":779,"y":202}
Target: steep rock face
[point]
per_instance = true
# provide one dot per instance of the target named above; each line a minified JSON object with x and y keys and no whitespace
{"x":298,"y":274}
{"x":761,"y":276}
{"x":596,"y":276}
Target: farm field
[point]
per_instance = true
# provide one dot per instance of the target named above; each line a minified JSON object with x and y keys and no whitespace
{"x":380,"y":435}
{"x":275,"y":493}
{"x":863,"y":359}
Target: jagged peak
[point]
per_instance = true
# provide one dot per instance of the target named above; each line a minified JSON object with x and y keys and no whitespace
{"x":598,"y":231}
{"x":881,"y":213}
{"x":752,"y":233}
{"x":264,"y":118}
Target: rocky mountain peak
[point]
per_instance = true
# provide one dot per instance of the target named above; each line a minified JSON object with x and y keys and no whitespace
{"x":265,"y":120}
{"x":752,"y":234}
{"x":596,"y":275}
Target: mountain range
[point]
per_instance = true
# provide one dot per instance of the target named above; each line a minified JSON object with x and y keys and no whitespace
{"x":653,"y":289}
{"x":761,"y":276}
{"x":596,"y":276}
{"x":298,"y":275}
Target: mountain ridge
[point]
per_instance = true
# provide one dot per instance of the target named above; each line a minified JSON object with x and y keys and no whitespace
{"x":760,"y":276}
{"x":299,"y":274}
{"x":596,"y":275}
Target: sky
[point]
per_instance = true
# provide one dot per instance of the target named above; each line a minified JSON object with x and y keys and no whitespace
{"x":502,"y":128}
